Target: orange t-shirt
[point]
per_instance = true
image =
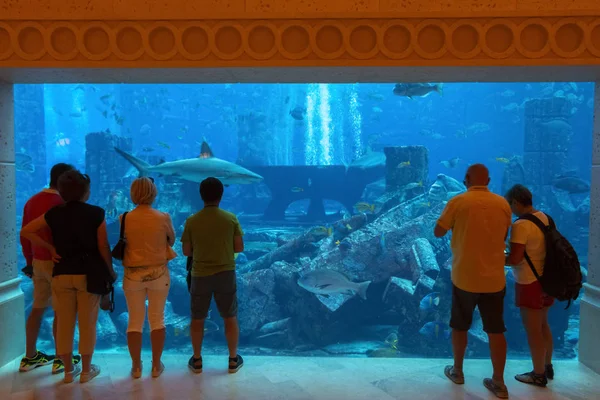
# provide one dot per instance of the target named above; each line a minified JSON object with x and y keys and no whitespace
{"x":479,"y":220}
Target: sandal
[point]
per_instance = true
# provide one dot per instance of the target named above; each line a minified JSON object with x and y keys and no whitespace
{"x":156,"y":372}
{"x":499,"y":389}
{"x":454,"y":376}
{"x":532,"y":378}
{"x":136,"y":373}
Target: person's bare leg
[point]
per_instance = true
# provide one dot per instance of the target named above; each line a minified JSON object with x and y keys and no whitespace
{"x":157,"y":337}
{"x":547,"y":333}
{"x":459,"y":348}
{"x":86,"y":362}
{"x":55,"y":332}
{"x":197,"y":334}
{"x":232,"y":334}
{"x":32,"y":330}
{"x":532,"y":321}
{"x":134,"y":342}
{"x":67,"y":360}
{"x":498,"y":355}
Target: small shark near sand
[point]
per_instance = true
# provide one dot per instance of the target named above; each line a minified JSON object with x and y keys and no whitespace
{"x":197,"y":169}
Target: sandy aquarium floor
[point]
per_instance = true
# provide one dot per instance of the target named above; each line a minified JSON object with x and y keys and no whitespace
{"x":294,"y":378}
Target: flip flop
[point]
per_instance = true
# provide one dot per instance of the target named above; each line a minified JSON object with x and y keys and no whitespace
{"x":458,"y":378}
{"x":156,"y":372}
{"x":501,"y":392}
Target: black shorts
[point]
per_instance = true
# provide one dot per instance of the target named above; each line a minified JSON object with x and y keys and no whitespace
{"x":491,"y":308}
{"x":223,"y":286}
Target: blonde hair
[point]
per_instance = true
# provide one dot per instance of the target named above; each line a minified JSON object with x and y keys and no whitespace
{"x":143,"y":191}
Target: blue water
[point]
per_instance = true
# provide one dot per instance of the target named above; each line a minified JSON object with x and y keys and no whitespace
{"x":303,"y":138}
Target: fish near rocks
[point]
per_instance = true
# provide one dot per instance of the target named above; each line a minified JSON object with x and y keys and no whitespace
{"x":24,"y":162}
{"x":328,"y":282}
{"x":435,"y":331}
{"x":444,"y":188}
{"x":571,"y":184}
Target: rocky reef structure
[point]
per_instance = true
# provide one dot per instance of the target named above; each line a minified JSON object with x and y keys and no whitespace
{"x":406,"y":164}
{"x":104,"y":166}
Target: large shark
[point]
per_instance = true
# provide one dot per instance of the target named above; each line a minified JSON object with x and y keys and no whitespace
{"x":372,"y":159}
{"x":197,"y":169}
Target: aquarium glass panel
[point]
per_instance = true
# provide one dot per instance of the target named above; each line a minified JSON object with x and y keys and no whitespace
{"x":337,"y":188}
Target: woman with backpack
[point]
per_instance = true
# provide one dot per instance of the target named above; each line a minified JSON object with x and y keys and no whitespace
{"x":528,"y":251}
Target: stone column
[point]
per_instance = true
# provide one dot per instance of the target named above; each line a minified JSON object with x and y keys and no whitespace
{"x":12,"y":303}
{"x":589,"y":351}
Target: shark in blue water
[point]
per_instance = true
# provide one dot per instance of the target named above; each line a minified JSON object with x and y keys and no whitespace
{"x":196,"y":169}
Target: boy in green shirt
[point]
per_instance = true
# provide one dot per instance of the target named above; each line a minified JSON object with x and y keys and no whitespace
{"x":211,"y":237}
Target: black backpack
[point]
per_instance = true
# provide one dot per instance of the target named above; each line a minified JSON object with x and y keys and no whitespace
{"x":562,"y":278}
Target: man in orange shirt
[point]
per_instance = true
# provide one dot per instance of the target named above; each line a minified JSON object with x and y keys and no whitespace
{"x":39,"y":262}
{"x":479,"y":221}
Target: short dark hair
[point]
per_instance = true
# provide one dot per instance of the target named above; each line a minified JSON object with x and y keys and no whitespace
{"x":211,"y":190}
{"x":73,"y":185}
{"x":56,"y":171}
{"x":520,"y":194}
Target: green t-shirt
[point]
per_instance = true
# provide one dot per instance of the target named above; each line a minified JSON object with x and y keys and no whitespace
{"x":211,"y":232}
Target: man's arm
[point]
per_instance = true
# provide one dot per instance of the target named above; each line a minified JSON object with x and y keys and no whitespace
{"x":238,"y":240}
{"x":186,"y":240}
{"x":187,"y":249}
{"x":439,"y":231}
{"x":238,"y":244}
{"x":26,"y":243}
{"x":516,"y":255}
{"x":446,"y":220}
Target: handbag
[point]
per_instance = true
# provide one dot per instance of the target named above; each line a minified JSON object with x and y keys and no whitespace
{"x":118,"y":252}
{"x":99,"y":280}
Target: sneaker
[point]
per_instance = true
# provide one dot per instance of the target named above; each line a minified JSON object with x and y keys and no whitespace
{"x":549,"y":371}
{"x":499,"y":389}
{"x":88,"y":376}
{"x":532,"y":378}
{"x":70,"y":376}
{"x":195,"y":364}
{"x":235,"y":364}
{"x":39,"y":360}
{"x":156,"y":372}
{"x":58,"y":367}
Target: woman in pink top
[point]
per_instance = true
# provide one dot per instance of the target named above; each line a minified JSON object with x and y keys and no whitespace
{"x":149,"y":236}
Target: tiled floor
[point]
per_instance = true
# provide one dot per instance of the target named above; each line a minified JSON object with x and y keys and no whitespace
{"x":269,"y":378}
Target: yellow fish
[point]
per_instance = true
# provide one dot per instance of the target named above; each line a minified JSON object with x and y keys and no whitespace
{"x":337,"y":242}
{"x":404,"y":164}
{"x":297,"y":189}
{"x":163,"y":144}
{"x":348,"y":227}
{"x":363,"y":207}
{"x":322,"y":230}
{"x":502,"y":160}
